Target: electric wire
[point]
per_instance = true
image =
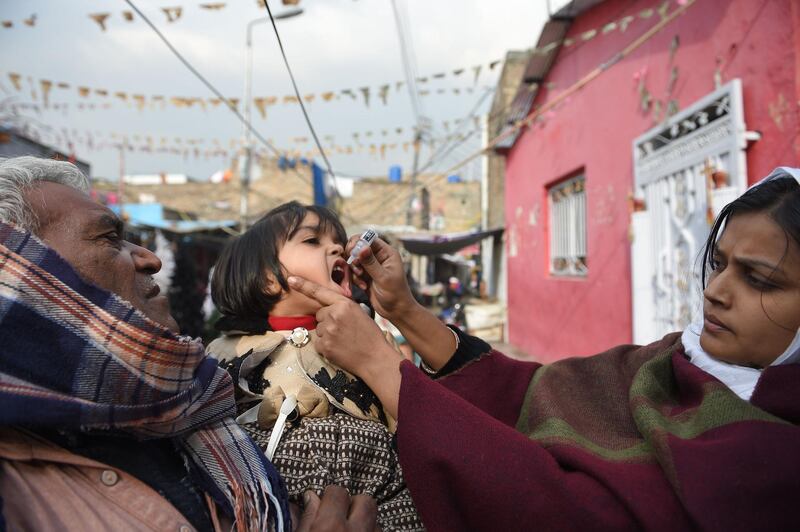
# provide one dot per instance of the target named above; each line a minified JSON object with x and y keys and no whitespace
{"x":205,"y":82}
{"x":436,"y":159}
{"x":408,"y":73}
{"x":230,"y":106}
{"x":300,"y":101}
{"x":578,"y":85}
{"x":212,"y":88}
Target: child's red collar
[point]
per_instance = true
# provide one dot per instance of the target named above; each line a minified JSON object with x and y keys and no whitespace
{"x":289,"y":323}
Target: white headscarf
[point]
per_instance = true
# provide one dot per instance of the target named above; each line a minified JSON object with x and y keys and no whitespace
{"x":740,"y":379}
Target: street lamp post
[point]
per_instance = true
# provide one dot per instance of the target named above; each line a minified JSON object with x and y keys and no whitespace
{"x":248,"y":102}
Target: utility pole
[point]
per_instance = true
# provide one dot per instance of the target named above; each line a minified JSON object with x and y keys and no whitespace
{"x":121,"y":181}
{"x":244,"y":181}
{"x":413,"y":191}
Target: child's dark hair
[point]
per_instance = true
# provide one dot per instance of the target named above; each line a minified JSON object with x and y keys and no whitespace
{"x":778,"y":197}
{"x":239,"y":285}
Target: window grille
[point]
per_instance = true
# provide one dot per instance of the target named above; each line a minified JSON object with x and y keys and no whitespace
{"x":567,"y":202}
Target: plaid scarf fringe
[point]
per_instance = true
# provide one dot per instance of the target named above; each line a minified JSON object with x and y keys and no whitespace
{"x":78,"y":357}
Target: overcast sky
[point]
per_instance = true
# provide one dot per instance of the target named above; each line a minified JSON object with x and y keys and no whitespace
{"x":333,"y":45}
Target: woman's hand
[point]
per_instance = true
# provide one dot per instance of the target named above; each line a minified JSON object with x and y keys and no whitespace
{"x":379,"y":271}
{"x":353,"y":341}
{"x":337,"y":511}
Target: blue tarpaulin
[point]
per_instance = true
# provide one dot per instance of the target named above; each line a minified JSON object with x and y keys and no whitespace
{"x":320,"y":194}
{"x":152,"y":215}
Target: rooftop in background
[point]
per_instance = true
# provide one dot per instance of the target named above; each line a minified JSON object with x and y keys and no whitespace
{"x":155,"y":216}
{"x":158,"y":179}
{"x":539,"y":64}
{"x":14,"y":143}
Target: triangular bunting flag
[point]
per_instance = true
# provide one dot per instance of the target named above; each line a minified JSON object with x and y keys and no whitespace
{"x":172,"y":13}
{"x":261,"y":105}
{"x":100,"y":18}
{"x":140,"y":101}
{"x":14,"y":77}
{"x":384,"y":93}
{"x":46,"y":86}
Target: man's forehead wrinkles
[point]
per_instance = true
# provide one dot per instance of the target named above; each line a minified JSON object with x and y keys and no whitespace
{"x":100,"y":215}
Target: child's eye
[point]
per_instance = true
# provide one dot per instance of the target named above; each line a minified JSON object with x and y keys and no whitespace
{"x":716,"y":264}
{"x":314,"y":240}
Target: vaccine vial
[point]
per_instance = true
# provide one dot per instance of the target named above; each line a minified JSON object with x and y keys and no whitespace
{"x":366,"y":239}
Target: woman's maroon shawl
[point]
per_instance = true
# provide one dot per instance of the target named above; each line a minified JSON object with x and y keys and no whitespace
{"x":636,"y":437}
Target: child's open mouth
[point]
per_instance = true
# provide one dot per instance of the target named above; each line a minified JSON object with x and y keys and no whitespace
{"x":339,"y":275}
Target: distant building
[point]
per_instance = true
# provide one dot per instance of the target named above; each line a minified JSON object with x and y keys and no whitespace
{"x":157,"y":179}
{"x":15,"y":144}
{"x":372,"y":201}
{"x":493,"y":250}
{"x":608,"y":190}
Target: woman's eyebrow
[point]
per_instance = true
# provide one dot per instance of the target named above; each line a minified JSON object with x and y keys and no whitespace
{"x":752,"y":263}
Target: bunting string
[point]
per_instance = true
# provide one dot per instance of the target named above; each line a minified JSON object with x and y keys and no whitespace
{"x":103,"y":98}
{"x":173,"y":14}
{"x":217,"y":147}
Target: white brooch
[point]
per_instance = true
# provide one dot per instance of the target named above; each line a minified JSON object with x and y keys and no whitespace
{"x":299,"y":337}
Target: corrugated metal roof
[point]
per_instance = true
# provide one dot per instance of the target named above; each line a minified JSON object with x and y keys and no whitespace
{"x":541,"y":62}
{"x":152,"y":215}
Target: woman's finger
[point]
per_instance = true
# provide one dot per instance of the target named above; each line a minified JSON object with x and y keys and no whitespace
{"x":363,"y":513}
{"x":311,"y":502}
{"x":318,"y":293}
{"x":334,"y":505}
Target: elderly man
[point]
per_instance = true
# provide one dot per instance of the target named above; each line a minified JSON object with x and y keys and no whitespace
{"x":108,"y":418}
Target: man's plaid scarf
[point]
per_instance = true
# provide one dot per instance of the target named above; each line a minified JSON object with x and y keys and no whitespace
{"x":75,"y":356}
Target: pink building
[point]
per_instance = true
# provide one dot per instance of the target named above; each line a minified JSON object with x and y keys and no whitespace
{"x":608,"y":193}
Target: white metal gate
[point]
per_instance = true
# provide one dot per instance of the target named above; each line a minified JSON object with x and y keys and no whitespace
{"x":695,"y":156}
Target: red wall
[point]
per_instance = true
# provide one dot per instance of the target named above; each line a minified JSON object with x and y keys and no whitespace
{"x":754,"y":40}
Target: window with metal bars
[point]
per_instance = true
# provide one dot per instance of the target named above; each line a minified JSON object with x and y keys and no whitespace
{"x":567,"y":206}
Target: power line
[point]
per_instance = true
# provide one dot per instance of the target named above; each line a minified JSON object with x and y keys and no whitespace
{"x":563,"y":96}
{"x":300,"y":101}
{"x":407,"y":70}
{"x":207,"y":83}
{"x":438,"y":154}
{"x":210,"y":86}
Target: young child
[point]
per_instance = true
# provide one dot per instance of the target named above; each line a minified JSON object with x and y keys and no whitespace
{"x":318,"y":424}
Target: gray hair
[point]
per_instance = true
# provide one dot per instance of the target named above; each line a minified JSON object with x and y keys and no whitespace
{"x":19,"y":174}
